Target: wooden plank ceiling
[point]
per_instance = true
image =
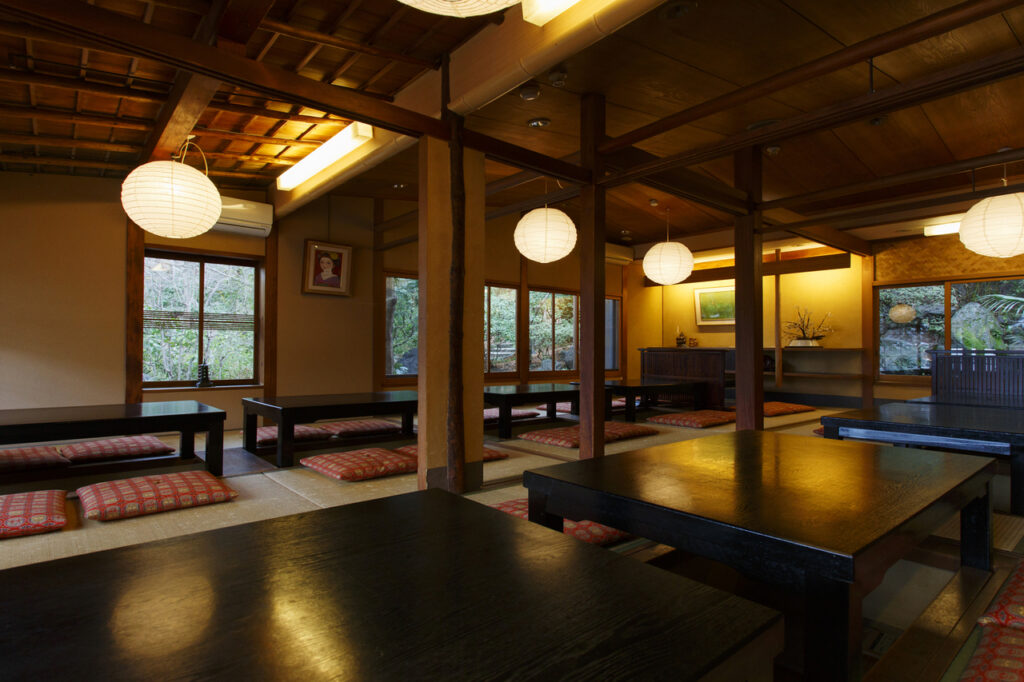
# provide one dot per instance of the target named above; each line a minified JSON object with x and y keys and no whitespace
{"x":72,"y":107}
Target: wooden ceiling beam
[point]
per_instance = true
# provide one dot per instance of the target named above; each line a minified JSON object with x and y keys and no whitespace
{"x":31,"y":32}
{"x":916,"y":31}
{"x":76,"y":84}
{"x":55,"y":161}
{"x":520,"y":157}
{"x":254,"y":139}
{"x":935,"y":86}
{"x":68,"y":116}
{"x":69,"y":142}
{"x":255,"y":158}
{"x":535,"y":202}
{"x":275,"y":115}
{"x":898,"y":179}
{"x":829,"y":236}
{"x":350,"y":45}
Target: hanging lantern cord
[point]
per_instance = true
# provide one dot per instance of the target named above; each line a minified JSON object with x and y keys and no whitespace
{"x":666,"y":224}
{"x":183,"y":149}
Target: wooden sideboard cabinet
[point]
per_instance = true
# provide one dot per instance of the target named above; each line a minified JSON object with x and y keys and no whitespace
{"x":700,"y":364}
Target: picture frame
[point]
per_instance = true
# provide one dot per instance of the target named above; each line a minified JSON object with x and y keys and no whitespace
{"x":327,"y":268}
{"x":715,"y":305}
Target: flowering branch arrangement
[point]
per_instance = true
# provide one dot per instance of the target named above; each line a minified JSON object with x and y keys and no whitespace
{"x":804,"y":327}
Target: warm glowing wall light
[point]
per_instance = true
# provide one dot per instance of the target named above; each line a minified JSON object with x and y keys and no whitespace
{"x":540,"y":12}
{"x":350,"y":138}
{"x":936,"y":230}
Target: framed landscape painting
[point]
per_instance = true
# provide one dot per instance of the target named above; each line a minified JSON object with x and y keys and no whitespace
{"x":715,"y":305}
{"x":328,"y":268}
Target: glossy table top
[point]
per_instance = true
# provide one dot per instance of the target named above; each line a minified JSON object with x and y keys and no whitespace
{"x":419,"y":586}
{"x":823,"y":496}
{"x":375,"y":398}
{"x":959,"y":418}
{"x":84,"y":413}
{"x":530,"y":389}
{"x":977,"y":399}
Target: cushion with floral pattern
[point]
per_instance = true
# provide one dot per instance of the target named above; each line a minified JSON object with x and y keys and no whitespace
{"x":39,"y":511}
{"x":360,"y":465}
{"x":34,"y":457}
{"x":587,"y":531}
{"x":142,"y":495}
{"x":998,"y":656}
{"x":698,"y":419}
{"x":114,"y":448}
{"x":359,"y":427}
{"x":267,"y":435}
{"x":490,"y":454}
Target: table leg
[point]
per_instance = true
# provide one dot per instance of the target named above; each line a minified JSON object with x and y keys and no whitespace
{"x":249,"y":431}
{"x":700,"y":396}
{"x":832,"y":431}
{"x":1017,"y":480}
{"x":538,"y":511}
{"x":505,"y":420}
{"x":407,"y":422}
{"x":832,"y":630}
{"x":976,"y":533}
{"x":630,"y":406}
{"x":552,"y":409}
{"x":215,"y":449}
{"x":285,"y":442}
{"x":187,"y":443}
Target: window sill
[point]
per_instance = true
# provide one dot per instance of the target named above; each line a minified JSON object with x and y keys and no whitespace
{"x":178,"y":389}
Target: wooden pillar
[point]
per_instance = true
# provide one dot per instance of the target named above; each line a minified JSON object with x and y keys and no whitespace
{"x":749,"y":309}
{"x":591,"y":246}
{"x":135,"y":258}
{"x":435,"y":322}
{"x":271,"y":262}
{"x":869,"y":313}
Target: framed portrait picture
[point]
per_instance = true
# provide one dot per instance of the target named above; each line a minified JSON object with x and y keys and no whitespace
{"x":715,"y":305}
{"x":328,"y":269}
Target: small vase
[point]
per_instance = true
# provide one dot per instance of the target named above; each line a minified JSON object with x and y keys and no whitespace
{"x":804,"y":343}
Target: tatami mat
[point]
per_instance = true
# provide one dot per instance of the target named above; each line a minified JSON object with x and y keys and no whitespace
{"x":1007,"y":531}
{"x":327,"y":492}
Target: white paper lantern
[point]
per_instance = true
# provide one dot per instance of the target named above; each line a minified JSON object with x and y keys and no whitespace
{"x":668,"y":263}
{"x":901,"y":313}
{"x":545,"y":234}
{"x":460,"y":8}
{"x":995,"y":226}
{"x":170,"y":199}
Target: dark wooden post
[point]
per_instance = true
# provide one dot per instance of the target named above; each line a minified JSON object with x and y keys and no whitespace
{"x":456,"y":418}
{"x":591,"y":245}
{"x":135,"y":257}
{"x":749,"y":308}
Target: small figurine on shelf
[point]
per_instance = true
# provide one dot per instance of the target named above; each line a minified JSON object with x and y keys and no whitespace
{"x":680,"y":339}
{"x":692,"y":342}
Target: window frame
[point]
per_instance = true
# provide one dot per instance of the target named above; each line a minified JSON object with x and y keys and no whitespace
{"x":500,"y":377}
{"x":202,"y":258}
{"x":394,"y":380}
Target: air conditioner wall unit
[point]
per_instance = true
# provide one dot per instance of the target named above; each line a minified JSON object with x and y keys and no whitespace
{"x":241,"y":216}
{"x":618,"y":255}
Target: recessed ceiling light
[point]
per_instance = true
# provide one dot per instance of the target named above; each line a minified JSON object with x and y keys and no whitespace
{"x":529,"y":91}
{"x":557,"y":76}
{"x":538,"y":122}
{"x":399,"y":185}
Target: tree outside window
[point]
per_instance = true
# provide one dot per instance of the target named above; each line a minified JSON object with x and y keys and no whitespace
{"x":401,"y":326}
{"x":501,"y":308}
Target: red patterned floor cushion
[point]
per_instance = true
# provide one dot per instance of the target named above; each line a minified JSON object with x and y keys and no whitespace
{"x":491,"y":414}
{"x":359,"y":465}
{"x":1007,"y":608}
{"x":36,"y":457}
{"x":490,"y":454}
{"x":774,"y":408}
{"x":569,"y":436}
{"x":152,"y":494}
{"x":998,"y":656}
{"x":587,"y":531}
{"x":267,"y":435}
{"x":111,"y":448}
{"x":700,"y":419}
{"x":359,"y":427}
{"x":820,"y":431}
{"x":39,"y":511}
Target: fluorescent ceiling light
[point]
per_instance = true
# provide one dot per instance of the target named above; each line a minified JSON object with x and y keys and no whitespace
{"x":540,"y":12}
{"x":945,"y":228}
{"x":350,"y":138}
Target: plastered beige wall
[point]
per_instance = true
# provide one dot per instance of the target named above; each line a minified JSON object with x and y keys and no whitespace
{"x":62,"y":300}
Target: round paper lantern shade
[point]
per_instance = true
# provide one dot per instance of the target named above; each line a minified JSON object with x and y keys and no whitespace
{"x":995,"y":226}
{"x":460,"y":8}
{"x":170,"y":199}
{"x":901,"y":313}
{"x":544,"y":235}
{"x":668,"y":263}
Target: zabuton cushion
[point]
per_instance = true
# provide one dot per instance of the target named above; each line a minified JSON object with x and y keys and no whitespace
{"x":569,"y":436}
{"x":491,"y":414}
{"x":820,"y":431}
{"x":267,"y":435}
{"x":490,"y":454}
{"x":359,"y":427}
{"x":39,"y":511}
{"x":1007,"y":608}
{"x":129,"y":497}
{"x":587,"y":531}
{"x":110,"y":448}
{"x":36,"y":457}
{"x":774,"y":408}
{"x":359,"y":465}
{"x":699,"y":419}
{"x":998,"y":656}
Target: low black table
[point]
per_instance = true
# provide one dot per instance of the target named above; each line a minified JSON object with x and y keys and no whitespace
{"x":287,"y":411}
{"x":822,"y":520}
{"x":425,"y":585}
{"x":507,"y":396}
{"x":976,"y":399}
{"x":89,"y":421}
{"x":966,"y":428}
{"x":648,"y":391}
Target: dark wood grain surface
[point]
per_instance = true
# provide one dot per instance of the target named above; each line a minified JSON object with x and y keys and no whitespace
{"x":419,"y":586}
{"x":383,"y":398}
{"x":976,"y":399}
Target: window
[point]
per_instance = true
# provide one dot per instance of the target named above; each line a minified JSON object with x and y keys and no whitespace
{"x":401,"y":326}
{"x":987,"y":315}
{"x":198,"y":310}
{"x":500,"y":313}
{"x":554,"y":329}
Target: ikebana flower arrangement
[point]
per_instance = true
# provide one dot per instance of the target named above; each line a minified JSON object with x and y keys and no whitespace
{"x":805,"y":332}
